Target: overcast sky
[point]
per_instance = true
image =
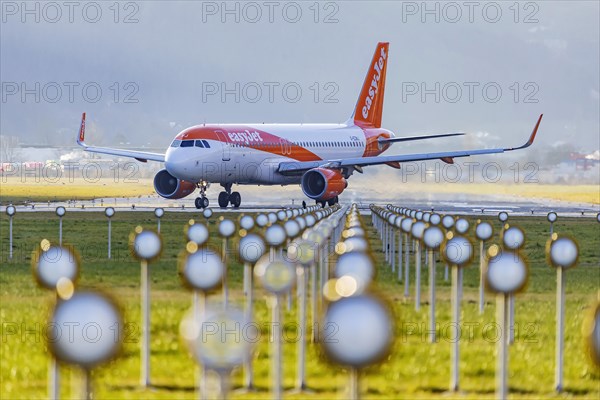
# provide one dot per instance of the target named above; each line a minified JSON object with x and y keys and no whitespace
{"x":160,"y":64}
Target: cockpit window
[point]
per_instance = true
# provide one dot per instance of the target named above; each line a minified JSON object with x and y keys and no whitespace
{"x":199,"y":143}
{"x":176,"y":143}
{"x":187,"y":143}
{"x":206,"y":144}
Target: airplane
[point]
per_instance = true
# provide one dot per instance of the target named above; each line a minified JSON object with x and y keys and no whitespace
{"x":319,"y":157}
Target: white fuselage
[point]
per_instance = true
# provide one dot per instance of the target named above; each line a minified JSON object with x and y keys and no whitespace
{"x":251,"y":153}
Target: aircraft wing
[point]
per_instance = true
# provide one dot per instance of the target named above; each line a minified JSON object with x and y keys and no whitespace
{"x":411,"y":138}
{"x":138,"y":155}
{"x":291,"y":168}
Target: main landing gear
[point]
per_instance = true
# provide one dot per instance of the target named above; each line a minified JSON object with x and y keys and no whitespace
{"x":225,"y":198}
{"x":228,"y":196}
{"x":330,"y":202}
{"x":202,"y":201}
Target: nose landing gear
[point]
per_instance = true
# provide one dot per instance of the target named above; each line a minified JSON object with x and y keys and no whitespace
{"x":202,"y":201}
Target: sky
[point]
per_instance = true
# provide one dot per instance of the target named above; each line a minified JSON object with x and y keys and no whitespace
{"x":144,"y":70}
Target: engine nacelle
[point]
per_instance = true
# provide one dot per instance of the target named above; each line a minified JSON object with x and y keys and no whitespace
{"x":169,"y":187}
{"x":323,"y":183}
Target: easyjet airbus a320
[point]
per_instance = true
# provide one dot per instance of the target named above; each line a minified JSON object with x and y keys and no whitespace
{"x":319,"y":157}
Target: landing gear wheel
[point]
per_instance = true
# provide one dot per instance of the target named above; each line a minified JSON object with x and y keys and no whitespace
{"x":223,"y":199}
{"x":322,"y":203}
{"x":201,"y":202}
{"x":235,"y":198}
{"x":331,"y":202}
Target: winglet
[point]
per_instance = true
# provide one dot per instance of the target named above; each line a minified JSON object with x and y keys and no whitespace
{"x":531,"y":137}
{"x":81,"y":137}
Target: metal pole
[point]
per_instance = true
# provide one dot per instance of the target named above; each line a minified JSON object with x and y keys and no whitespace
{"x":200,"y":307}
{"x":511,"y":318}
{"x":224,"y":384}
{"x":382,"y":234}
{"x":393,"y":250}
{"x":326,"y":263}
{"x":313,"y":302}
{"x":399,"y":256}
{"x":446,"y":272}
{"x":406,"y":268}
{"x":53,"y":376}
{"x":417,"y":275}
{"x":551,"y":228}
{"x":109,"y":235}
{"x":10,"y":238}
{"x":481,"y":294}
{"x":158,"y":225}
{"x":322,"y":278}
{"x":301,"y":346}
{"x":560,"y":328}
{"x":386,"y":246}
{"x":502,"y":357}
{"x":248,"y":372}
{"x":276,"y":356}
{"x":60,"y":231}
{"x":431,"y":297}
{"x":354,"y":391}
{"x":53,"y":379}
{"x":145,"y":349}
{"x":224,"y":258}
{"x":87,"y":384}
{"x":455,"y":320}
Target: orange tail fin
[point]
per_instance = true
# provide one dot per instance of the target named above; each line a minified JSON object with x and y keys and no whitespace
{"x":370,"y":102}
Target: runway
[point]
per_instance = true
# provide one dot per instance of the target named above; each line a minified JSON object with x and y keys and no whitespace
{"x":447,"y":204}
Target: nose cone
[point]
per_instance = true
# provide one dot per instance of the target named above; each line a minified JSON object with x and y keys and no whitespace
{"x":176,"y":164}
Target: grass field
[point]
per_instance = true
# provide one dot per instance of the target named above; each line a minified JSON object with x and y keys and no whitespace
{"x":415,"y":368}
{"x":572,"y":193}
{"x":18,"y":190}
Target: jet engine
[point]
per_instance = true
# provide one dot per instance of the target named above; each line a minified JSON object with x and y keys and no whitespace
{"x":323,"y":183}
{"x":169,"y":187}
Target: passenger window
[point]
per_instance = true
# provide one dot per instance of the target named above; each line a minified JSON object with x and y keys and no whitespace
{"x":176,"y":143}
{"x":199,"y":143}
{"x":206,"y":144}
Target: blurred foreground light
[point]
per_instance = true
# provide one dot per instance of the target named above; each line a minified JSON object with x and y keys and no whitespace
{"x":563,"y":252}
{"x":277,"y":275}
{"x":507,"y":272}
{"x":202,"y":270}
{"x":145,"y":244}
{"x":220,"y":340}
{"x":96,"y":325}
{"x":51,"y":263}
{"x":357,"y":331}
{"x":197,"y":233}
